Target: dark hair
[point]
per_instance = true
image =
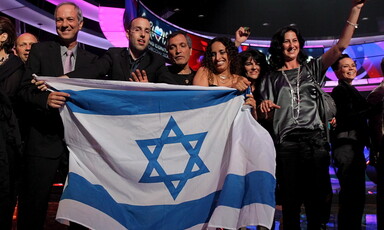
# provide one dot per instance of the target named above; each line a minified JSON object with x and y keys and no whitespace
{"x":77,"y":8}
{"x":128,"y":24}
{"x":6,"y":26}
{"x":335,"y":65}
{"x":276,"y":49}
{"x":231,"y":50}
{"x":255,"y":55}
{"x":174,"y":34}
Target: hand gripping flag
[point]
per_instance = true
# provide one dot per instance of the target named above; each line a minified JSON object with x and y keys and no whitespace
{"x":155,"y":156}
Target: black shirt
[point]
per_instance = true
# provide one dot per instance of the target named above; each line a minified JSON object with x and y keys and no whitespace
{"x":169,"y":75}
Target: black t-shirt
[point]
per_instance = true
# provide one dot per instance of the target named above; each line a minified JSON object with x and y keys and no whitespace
{"x":169,"y":75}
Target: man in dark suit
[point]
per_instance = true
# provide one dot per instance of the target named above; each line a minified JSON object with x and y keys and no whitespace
{"x":45,"y":150}
{"x":350,"y":136}
{"x":120,"y":63}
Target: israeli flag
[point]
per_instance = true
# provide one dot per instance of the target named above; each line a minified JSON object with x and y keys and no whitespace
{"x":156,"y":156}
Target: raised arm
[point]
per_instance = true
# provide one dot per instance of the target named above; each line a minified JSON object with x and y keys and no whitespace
{"x":241,"y":35}
{"x":335,"y":51}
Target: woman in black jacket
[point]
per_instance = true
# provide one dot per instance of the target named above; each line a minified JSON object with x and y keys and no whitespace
{"x":11,"y":70}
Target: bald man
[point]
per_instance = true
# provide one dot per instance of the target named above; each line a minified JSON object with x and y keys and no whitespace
{"x":23,"y":45}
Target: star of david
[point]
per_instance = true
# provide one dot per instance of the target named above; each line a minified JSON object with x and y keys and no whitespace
{"x":152,"y":148}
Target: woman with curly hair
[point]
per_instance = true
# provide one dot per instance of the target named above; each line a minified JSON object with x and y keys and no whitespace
{"x":254,"y":66}
{"x":302,"y":151}
{"x":220,"y":65}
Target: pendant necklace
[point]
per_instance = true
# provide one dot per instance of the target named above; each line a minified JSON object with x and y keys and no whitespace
{"x":295,"y":96}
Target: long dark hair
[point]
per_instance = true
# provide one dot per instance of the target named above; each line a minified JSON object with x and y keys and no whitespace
{"x":231,"y":50}
{"x":6,"y":26}
{"x":259,"y":58}
{"x":277,"y":59}
{"x":255,"y":55}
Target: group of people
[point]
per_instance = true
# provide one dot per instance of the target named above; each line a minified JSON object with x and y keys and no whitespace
{"x":281,"y":94}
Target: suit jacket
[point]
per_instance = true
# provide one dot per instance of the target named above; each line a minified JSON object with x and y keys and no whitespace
{"x":352,"y":112}
{"x":115,"y":65}
{"x":11,"y":73}
{"x":46,"y":133}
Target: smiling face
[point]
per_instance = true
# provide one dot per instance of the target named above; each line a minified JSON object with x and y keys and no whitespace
{"x":138,"y":35}
{"x":178,"y":50}
{"x":346,"y":70}
{"x":67,"y":23}
{"x":252,"y":68}
{"x":291,"y":46}
{"x":220,"y":57}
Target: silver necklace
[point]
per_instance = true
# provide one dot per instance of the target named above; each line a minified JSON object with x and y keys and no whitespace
{"x":223,"y":79}
{"x":295,"y":96}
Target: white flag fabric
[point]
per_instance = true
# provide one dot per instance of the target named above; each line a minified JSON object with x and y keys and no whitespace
{"x":157,"y":156}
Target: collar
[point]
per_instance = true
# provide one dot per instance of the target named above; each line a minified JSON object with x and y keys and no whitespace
{"x":63,"y":50}
{"x":139,"y":58}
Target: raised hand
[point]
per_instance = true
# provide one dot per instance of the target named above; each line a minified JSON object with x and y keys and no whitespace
{"x":241,"y":35}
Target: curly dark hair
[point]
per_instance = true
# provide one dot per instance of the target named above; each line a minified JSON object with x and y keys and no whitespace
{"x":6,"y":26}
{"x":276,"y":49}
{"x":231,"y":50}
{"x":255,"y":55}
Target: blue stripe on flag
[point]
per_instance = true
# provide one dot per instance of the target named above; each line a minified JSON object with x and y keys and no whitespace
{"x":178,"y":216}
{"x":115,"y":102}
{"x":237,"y":192}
